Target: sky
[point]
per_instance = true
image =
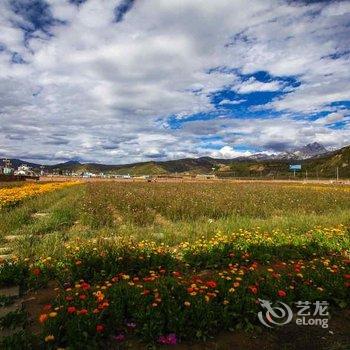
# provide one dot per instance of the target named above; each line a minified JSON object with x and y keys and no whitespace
{"x":121,"y":81}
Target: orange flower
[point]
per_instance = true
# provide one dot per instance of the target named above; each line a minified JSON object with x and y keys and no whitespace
{"x":100,"y":296}
{"x":43,"y":318}
{"x":253,"y":289}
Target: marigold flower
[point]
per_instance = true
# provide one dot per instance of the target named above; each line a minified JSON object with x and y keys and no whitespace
{"x":99,"y":295}
{"x":43,"y":318}
{"x":49,"y":338}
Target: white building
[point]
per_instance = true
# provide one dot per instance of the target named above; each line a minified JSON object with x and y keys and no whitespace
{"x":24,"y":170}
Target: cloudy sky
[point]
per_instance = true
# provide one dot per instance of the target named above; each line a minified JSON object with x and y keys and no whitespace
{"x":118,"y":81}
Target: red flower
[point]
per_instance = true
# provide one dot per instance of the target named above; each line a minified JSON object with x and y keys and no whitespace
{"x":69,"y":298}
{"x":71,"y":309}
{"x":177,"y":273}
{"x":253,"y":289}
{"x":100,"y":328}
{"x":347,"y":276}
{"x":82,"y":296}
{"x":36,"y":271}
{"x":281,"y":293}
{"x":82,"y":312}
{"x":211,"y":284}
{"x":85,"y":286}
{"x":43,"y":318}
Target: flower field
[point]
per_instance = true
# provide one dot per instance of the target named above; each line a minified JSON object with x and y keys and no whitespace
{"x":168,"y":263}
{"x":15,"y":194}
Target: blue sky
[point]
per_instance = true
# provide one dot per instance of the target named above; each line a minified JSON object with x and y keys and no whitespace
{"x":120,"y":81}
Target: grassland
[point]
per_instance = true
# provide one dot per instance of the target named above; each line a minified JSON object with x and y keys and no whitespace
{"x":149,"y":260}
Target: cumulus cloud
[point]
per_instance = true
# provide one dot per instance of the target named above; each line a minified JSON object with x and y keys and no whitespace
{"x":98,"y":80}
{"x":253,"y":85}
{"x":228,"y":153}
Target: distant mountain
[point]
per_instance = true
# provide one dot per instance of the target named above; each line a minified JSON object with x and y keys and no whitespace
{"x":314,"y":158}
{"x":308,"y":151}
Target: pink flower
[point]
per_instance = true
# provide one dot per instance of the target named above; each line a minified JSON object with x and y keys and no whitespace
{"x":119,"y":338}
{"x":169,"y":339}
{"x":131,"y":325}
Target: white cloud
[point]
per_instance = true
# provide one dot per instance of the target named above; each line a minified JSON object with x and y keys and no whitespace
{"x":231,"y":102}
{"x":102,"y":91}
{"x":331,"y":118}
{"x":253,"y":85}
{"x":228,"y":152}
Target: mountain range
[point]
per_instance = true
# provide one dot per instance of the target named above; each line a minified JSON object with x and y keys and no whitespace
{"x":314,"y":158}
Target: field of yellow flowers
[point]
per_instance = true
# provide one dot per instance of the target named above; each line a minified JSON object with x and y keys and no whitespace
{"x":15,"y":194}
{"x":167,"y":263}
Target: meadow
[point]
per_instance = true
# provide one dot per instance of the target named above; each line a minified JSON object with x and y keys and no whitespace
{"x":164,"y":263}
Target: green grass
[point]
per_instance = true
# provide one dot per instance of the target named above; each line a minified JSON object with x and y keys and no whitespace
{"x":170,"y":213}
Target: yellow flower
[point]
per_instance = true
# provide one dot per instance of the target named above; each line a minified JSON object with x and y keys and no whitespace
{"x":49,"y":338}
{"x":187,"y":303}
{"x":53,"y":314}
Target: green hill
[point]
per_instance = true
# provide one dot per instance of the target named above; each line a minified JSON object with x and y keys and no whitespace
{"x":324,"y":166}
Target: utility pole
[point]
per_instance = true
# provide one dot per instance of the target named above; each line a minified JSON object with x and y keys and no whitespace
{"x":305,"y":174}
